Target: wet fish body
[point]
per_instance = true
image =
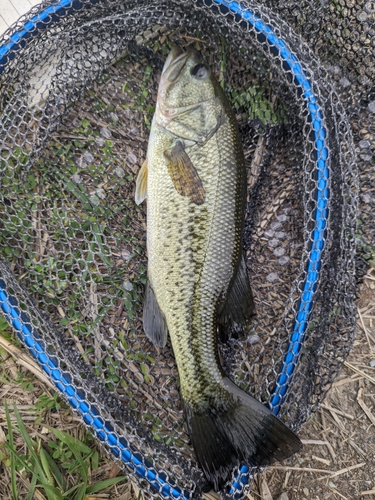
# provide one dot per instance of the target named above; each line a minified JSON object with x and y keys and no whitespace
{"x":195,"y":182}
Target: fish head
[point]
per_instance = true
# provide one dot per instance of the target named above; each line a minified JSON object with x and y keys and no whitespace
{"x":186,"y":81}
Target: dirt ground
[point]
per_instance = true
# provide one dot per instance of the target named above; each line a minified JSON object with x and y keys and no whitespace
{"x":338,"y":458}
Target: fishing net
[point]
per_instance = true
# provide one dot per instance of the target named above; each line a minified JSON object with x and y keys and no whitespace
{"x":78,"y":89}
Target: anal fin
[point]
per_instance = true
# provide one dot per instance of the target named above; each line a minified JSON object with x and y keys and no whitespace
{"x":239,"y":305}
{"x":154,"y":323}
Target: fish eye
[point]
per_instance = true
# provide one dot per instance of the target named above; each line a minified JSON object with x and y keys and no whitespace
{"x":199,"y":71}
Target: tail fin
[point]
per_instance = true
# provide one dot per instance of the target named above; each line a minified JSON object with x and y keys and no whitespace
{"x":245,"y":432}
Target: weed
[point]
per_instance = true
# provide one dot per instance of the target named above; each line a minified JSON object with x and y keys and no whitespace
{"x":46,"y":402}
{"x":138,"y":95}
{"x":50,"y":471}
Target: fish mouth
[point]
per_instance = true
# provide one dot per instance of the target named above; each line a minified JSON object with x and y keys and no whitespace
{"x":174,"y":63}
{"x":173,"y":67}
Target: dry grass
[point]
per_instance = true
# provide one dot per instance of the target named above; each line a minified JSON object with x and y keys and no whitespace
{"x":338,"y":459}
{"x":23,"y":383}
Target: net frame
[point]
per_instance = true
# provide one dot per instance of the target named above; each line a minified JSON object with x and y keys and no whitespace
{"x":318,"y":128}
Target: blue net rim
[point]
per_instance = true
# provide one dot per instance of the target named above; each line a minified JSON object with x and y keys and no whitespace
{"x":17,"y":40}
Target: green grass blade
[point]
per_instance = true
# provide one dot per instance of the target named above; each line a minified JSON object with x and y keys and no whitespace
{"x":68,"y":494}
{"x":98,"y":237}
{"x":22,"y":464}
{"x":73,"y":443}
{"x":45,"y":466}
{"x":12,"y":458}
{"x":78,"y":191}
{"x":106,"y":483}
{"x":95,"y":460}
{"x":30,"y":493}
{"x":52,"y":492}
{"x":81,"y":493}
{"x":30,"y":445}
{"x":76,"y":447}
{"x":4,"y":325}
{"x":55,"y":471}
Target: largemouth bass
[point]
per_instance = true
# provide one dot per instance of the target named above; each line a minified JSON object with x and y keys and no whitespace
{"x":195,"y":182}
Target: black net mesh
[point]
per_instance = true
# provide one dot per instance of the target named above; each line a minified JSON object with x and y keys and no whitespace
{"x":78,"y":89}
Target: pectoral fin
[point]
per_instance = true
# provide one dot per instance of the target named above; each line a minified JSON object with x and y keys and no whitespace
{"x":239,"y":305}
{"x":154,"y":323}
{"x":183,"y":173}
{"x":141,"y":184}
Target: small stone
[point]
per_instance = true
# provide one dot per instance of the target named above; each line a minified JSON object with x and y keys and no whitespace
{"x":279,"y":251}
{"x":282,"y":218}
{"x":280,"y":234}
{"x":364,"y":144}
{"x":366,"y":157}
{"x":147,"y":34}
{"x":366,"y":198}
{"x":85,"y":159}
{"x":344,"y":82}
{"x":306,"y":492}
{"x":275,"y":225}
{"x":332,"y":485}
{"x":283,"y":260}
{"x":94,"y":199}
{"x":106,"y":133}
{"x":371,"y":106}
{"x":120,"y":172}
{"x":269,"y":233}
{"x":372,"y":363}
{"x":77,"y":179}
{"x":128,"y":286}
{"x":88,"y":158}
{"x":100,"y":193}
{"x":126,"y":255}
{"x":128,"y":113}
{"x":99,"y":141}
{"x":114,"y":117}
{"x":336,"y":70}
{"x":274,"y":243}
{"x":253,"y":339}
{"x":272,"y":277}
{"x":362,"y":16}
{"x":132,"y":158}
{"x":283,"y":496}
